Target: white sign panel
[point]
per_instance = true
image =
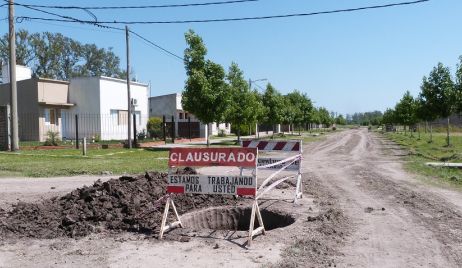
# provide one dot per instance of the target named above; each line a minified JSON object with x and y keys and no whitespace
{"x":262,"y":161}
{"x":211,"y":184}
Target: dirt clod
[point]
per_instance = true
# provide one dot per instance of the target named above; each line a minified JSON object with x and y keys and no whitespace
{"x":368,"y":210}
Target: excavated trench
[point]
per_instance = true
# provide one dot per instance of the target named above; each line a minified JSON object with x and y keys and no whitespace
{"x":236,"y":219}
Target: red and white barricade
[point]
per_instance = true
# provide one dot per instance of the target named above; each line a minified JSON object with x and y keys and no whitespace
{"x":293,"y":162}
{"x":238,"y":185}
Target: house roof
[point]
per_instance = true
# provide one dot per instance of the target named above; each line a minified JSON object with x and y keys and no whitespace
{"x":111,"y":79}
{"x":172,"y":94}
{"x":56,"y":104}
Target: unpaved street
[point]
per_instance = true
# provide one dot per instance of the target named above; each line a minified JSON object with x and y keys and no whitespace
{"x":397,"y":220}
{"x":360,"y":209}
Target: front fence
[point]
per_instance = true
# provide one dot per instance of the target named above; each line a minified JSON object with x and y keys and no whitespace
{"x":95,"y":127}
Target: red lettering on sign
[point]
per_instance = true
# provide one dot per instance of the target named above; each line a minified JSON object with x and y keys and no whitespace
{"x":238,"y":157}
{"x":246,"y":191}
{"x":175,"y":189}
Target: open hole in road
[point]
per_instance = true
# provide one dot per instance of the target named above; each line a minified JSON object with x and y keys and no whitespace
{"x":238,"y":219}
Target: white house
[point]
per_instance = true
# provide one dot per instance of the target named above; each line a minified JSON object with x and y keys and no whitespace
{"x":170,"y":105}
{"x":102,"y":106}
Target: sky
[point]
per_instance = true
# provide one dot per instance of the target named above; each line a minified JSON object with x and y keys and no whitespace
{"x":347,"y":62}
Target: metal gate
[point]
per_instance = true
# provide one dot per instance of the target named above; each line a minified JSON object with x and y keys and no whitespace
{"x":4,"y":128}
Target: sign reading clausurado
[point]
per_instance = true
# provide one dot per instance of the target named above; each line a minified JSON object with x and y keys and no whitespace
{"x":200,"y":157}
{"x":213,"y":184}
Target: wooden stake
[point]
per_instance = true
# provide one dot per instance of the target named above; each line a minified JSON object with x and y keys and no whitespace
{"x":163,"y":227}
{"x":164,"y":218}
{"x":260,"y":219}
{"x":261,"y":228}
{"x":252,"y":223}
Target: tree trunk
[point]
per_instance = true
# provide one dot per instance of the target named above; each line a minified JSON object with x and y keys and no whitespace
{"x":431,"y":132}
{"x":418,"y":130}
{"x":208,"y":135}
{"x":239,"y":132}
{"x":448,"y":141}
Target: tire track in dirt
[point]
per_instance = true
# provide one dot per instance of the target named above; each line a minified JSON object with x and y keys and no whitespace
{"x":397,"y":222}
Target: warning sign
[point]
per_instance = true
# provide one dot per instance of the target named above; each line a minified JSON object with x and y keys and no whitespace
{"x":262,"y":161}
{"x":211,"y":184}
{"x":194,"y":157}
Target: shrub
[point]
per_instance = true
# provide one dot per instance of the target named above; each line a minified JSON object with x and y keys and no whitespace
{"x":52,"y":138}
{"x":154,"y":127}
{"x":141,"y":135}
{"x":221,"y":133}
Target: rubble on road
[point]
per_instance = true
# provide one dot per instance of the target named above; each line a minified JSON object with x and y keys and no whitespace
{"x":124,"y":204}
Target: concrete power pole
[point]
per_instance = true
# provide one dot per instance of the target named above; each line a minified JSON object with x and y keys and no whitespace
{"x":13,"y":86}
{"x":129,"y":138}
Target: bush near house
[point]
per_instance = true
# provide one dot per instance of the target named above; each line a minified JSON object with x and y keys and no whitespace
{"x":154,"y":127}
{"x":52,"y":138}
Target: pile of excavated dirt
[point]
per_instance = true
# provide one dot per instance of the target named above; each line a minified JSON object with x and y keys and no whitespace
{"x":124,"y":204}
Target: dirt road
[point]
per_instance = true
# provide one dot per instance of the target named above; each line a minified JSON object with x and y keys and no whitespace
{"x":360,"y":209}
{"x":397,"y":220}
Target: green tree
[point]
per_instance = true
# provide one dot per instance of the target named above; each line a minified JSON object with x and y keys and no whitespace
{"x":458,"y":85}
{"x":439,"y":95}
{"x":206,"y":95}
{"x":245,"y":105}
{"x":324,"y":117}
{"x":340,"y":120}
{"x":425,"y":115}
{"x":24,"y":53}
{"x":274,"y":104}
{"x":53,"y":55}
{"x":406,"y":111}
{"x":388,"y":117}
{"x":297,"y":109}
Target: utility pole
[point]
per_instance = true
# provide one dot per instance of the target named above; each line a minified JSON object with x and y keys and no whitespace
{"x":13,"y":85}
{"x":127,"y":40}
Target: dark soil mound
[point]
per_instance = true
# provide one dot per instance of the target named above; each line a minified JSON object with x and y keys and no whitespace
{"x":124,"y":204}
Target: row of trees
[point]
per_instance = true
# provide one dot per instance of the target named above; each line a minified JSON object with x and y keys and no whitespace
{"x":53,"y":55}
{"x":214,"y":95}
{"x":365,"y":119}
{"x":440,"y":96}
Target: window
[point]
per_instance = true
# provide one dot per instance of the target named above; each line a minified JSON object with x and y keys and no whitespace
{"x":186,"y":115}
{"x":122,"y":117}
{"x":227,"y":125}
{"x":181,"y":115}
{"x":47,"y":116}
{"x":138,"y":117}
{"x":51,"y":116}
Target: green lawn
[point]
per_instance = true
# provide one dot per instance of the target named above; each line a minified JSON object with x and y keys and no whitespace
{"x":422,"y":151}
{"x":68,"y":162}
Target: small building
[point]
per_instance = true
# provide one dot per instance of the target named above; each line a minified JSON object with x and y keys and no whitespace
{"x":99,"y":103}
{"x":41,"y":103}
{"x":170,"y":105}
{"x":102,"y":106}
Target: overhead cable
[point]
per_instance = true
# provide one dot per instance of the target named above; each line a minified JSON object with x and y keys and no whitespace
{"x":238,"y":19}
{"x":145,"y":6}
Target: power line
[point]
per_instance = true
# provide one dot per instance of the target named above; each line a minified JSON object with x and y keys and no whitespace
{"x":157,"y":46}
{"x":49,"y":13}
{"x":238,"y":19}
{"x":95,"y":23}
{"x":146,"y":6}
